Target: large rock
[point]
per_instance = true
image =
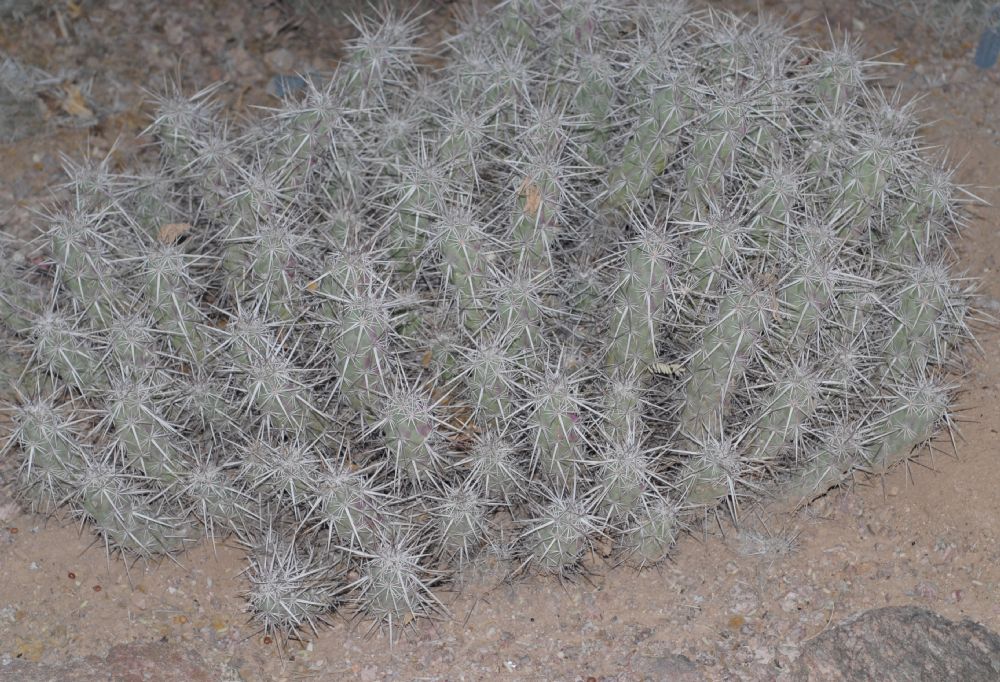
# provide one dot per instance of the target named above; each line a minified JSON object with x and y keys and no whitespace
{"x":901,"y":644}
{"x":136,"y":662}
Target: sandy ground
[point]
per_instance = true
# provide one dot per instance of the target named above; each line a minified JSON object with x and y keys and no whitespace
{"x":736,"y":605}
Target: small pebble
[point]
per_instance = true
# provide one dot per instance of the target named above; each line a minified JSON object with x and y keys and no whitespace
{"x":281,"y":59}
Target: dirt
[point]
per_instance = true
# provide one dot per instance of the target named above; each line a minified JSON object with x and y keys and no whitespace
{"x":738,"y":604}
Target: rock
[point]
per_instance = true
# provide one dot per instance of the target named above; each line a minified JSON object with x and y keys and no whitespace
{"x":286,"y":86}
{"x":677,"y":668}
{"x":901,"y":643}
{"x":281,"y":60}
{"x":135,"y":662}
{"x":19,"y":9}
{"x":22,"y":113}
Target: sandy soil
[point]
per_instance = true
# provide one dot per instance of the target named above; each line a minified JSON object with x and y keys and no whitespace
{"x":736,"y":605}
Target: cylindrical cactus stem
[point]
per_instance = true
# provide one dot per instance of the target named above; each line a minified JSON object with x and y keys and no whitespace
{"x":806,"y":298}
{"x":150,"y":444}
{"x":728,"y":48}
{"x":595,"y":100}
{"x":716,"y":248}
{"x":363,"y":351}
{"x":171,"y":292}
{"x":651,"y":536}
{"x":101,"y":488}
{"x":837,"y":77}
{"x":864,"y":181}
{"x":379,"y":60}
{"x":131,"y":341}
{"x":440,"y":342}
{"x":291,"y":587}
{"x":275,"y":258}
{"x":536,"y":219}
{"x":720,"y":360}
{"x":50,"y":449}
{"x":280,"y":398}
{"x":581,"y":24}
{"x":584,"y":289}
{"x":460,"y":519}
{"x":625,"y":477}
{"x":465,"y":132}
{"x":92,"y":184}
{"x":82,"y":256}
{"x":146,"y":528}
{"x":21,"y":300}
{"x":124,"y":513}
{"x":413,"y":436}
{"x":776,"y":197}
{"x":202,"y":403}
{"x":262,"y":198}
{"x":271,"y":384}
{"x":464,"y":248}
{"x":210,"y":492}
{"x":423,"y":192}
{"x":181,"y":121}
{"x":720,"y":469}
{"x":348,"y":273}
{"x":490,"y":375}
{"x":248,"y":335}
{"x":493,"y":465}
{"x":217,"y":160}
{"x":520,"y":308}
{"x":562,"y":530}
{"x":784,"y":409}
{"x":559,"y":417}
{"x":839,"y":447}
{"x":279,"y":471}
{"x":394,"y":586}
{"x":912,"y":416}
{"x":623,"y":406}
{"x":303,"y":131}
{"x":518,"y":22}
{"x":714,"y":150}
{"x":645,"y":286}
{"x":856,"y":308}
{"x":925,"y":296}
{"x":346,"y":509}
{"x":651,"y":144}
{"x":926,"y":216}
{"x":149,"y":205}
{"x":345,"y":228}
{"x":68,"y":353}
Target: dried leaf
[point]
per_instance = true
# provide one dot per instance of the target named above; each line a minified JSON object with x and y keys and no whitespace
{"x":74,"y":103}
{"x":74,"y":9}
{"x":532,"y":197}
{"x":171,"y":232}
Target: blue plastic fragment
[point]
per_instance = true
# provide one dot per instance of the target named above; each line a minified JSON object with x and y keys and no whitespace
{"x":988,"y":49}
{"x":283,"y":86}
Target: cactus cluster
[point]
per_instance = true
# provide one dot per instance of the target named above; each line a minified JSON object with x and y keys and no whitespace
{"x":601,"y":269}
